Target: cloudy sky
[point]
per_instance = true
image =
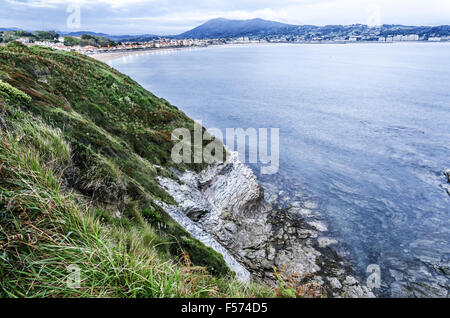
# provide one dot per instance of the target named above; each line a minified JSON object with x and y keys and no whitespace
{"x":176,"y":16}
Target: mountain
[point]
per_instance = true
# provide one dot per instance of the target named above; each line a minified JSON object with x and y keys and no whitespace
{"x":135,"y":38}
{"x":118,"y":38}
{"x":223,"y":28}
{"x":257,"y":28}
{"x":80,"y":33}
{"x":142,"y":37}
{"x":9,"y":29}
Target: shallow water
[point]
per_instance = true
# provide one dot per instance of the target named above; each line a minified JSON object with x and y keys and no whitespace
{"x":364,"y":131}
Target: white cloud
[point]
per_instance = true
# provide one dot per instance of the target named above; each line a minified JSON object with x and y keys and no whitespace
{"x":56,"y":3}
{"x":169,"y":16}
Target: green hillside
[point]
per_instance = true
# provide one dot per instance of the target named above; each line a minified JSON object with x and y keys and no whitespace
{"x":81,"y":145}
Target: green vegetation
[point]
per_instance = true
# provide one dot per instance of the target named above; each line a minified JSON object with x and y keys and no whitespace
{"x":45,"y":35}
{"x":89,"y":40}
{"x":289,"y":287}
{"x":8,"y":36}
{"x":52,"y":36}
{"x":81,"y":146}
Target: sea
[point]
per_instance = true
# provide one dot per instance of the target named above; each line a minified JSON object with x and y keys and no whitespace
{"x":364,"y":134}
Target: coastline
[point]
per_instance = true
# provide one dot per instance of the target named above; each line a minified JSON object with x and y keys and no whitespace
{"x":225,"y":206}
{"x":210,"y":186}
{"x":249,"y":233}
{"x":108,"y":56}
{"x":248,"y":239}
{"x":301,"y":209}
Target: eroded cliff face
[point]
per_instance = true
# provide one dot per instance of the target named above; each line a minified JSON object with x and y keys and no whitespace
{"x":227,"y":203}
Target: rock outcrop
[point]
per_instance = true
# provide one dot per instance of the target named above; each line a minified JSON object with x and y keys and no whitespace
{"x":447,"y":186}
{"x":227,"y":202}
{"x":447,"y":174}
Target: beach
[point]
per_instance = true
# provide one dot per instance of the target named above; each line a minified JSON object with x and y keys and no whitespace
{"x":107,"y":56}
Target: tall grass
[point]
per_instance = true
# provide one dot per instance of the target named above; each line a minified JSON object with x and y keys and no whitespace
{"x":44,"y":230}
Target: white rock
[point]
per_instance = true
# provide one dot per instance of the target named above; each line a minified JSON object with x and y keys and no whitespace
{"x":319,"y":226}
{"x":224,"y":207}
{"x":326,"y":241}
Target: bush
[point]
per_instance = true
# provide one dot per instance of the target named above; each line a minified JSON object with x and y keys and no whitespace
{"x":13,"y":95}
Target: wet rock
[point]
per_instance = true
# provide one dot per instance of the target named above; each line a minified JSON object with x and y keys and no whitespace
{"x":302,"y":212}
{"x":426,"y":278}
{"x":397,"y":290}
{"x":271,"y":253}
{"x":397,"y":275}
{"x":227,"y":202}
{"x":319,"y":226}
{"x":353,"y":289}
{"x":326,"y":241}
{"x":446,"y":187}
{"x":428,"y":290}
{"x":311,"y":205}
{"x":334,"y":282}
{"x":230,"y":227}
{"x":447,"y":174}
{"x":445,"y":269}
{"x":196,"y":214}
{"x":305,"y":233}
{"x":350,"y":281}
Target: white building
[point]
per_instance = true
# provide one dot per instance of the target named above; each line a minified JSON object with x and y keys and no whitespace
{"x":24,"y":40}
{"x":410,"y":37}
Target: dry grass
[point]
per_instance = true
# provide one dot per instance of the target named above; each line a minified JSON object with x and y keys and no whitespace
{"x":296,"y":285}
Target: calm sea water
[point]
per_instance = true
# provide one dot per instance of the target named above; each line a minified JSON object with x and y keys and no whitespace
{"x":364,"y":130}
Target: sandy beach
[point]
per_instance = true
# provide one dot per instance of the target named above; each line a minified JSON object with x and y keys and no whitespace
{"x":108,"y":56}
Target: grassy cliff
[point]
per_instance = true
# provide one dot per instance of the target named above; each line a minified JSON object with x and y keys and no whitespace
{"x":80,"y":147}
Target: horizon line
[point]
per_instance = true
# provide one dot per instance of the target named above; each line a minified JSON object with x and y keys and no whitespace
{"x":158,"y":35}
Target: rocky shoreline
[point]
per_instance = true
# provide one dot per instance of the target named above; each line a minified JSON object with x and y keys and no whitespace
{"x":447,"y":186}
{"x":225,"y":207}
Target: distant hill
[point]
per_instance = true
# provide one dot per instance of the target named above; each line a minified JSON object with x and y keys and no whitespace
{"x":80,"y":33}
{"x":9,"y":29}
{"x":112,"y":37}
{"x":257,"y":28}
{"x":222,"y":28}
{"x":17,"y":32}
{"x":136,"y":38}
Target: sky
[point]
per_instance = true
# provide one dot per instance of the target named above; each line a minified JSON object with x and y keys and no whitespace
{"x":168,"y":17}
